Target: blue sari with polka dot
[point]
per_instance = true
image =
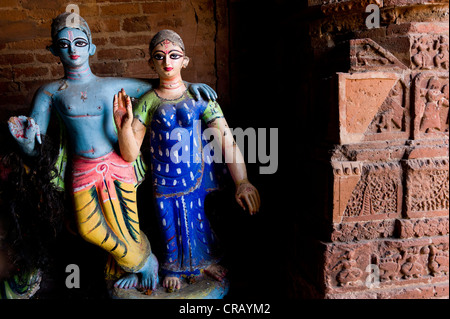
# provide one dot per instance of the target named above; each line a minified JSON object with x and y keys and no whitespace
{"x":183,"y":173}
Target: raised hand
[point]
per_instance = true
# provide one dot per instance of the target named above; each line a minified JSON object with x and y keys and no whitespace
{"x":123,"y":110}
{"x":248,"y":194}
{"x":25,"y":131}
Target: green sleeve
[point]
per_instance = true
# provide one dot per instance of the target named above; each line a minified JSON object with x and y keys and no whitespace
{"x":212,"y":111}
{"x":144,"y":109}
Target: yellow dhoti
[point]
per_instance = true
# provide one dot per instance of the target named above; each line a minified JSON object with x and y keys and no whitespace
{"x":106,"y":209}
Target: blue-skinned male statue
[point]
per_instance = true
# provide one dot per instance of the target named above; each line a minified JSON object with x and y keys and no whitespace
{"x":103,"y":184}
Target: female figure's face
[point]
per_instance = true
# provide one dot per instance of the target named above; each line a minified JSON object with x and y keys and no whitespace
{"x":168,"y":59}
{"x":73,"y":47}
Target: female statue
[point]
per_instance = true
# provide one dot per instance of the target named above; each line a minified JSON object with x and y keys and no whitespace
{"x":180,"y":186}
{"x":103,"y":184}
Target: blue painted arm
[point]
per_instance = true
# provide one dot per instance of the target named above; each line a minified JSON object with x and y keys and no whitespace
{"x":27,"y":130}
{"x":199,"y":89}
{"x":135,"y":87}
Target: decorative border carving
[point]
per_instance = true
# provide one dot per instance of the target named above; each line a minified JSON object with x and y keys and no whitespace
{"x":399,"y":262}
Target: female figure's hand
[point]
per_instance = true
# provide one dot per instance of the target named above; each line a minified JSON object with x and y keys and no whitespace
{"x":246,"y":192}
{"x":123,"y":110}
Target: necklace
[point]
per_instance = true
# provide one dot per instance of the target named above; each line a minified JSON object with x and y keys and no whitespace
{"x":171,"y":85}
{"x":184,"y":94}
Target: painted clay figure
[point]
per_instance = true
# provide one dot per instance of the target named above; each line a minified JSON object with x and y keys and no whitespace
{"x":103,"y":184}
{"x":180,"y":174}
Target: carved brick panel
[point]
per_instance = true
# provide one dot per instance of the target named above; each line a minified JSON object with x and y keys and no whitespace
{"x":399,"y":262}
{"x":348,"y":232}
{"x":377,"y":194}
{"x":429,"y":52}
{"x":360,"y":97}
{"x":344,"y":6}
{"x":420,"y":227}
{"x":393,"y":120}
{"x":367,"y":55}
{"x":427,"y":187}
{"x":431,"y":105}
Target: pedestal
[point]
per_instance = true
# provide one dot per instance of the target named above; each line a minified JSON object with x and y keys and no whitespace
{"x":203,"y":288}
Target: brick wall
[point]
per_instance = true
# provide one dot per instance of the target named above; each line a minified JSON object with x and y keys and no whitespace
{"x":379,"y":202}
{"x":121,"y":31}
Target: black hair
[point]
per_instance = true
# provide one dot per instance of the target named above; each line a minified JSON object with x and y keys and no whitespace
{"x":33,"y":208}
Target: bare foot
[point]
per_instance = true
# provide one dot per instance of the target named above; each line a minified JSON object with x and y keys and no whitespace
{"x":149,"y":273}
{"x":171,"y":283}
{"x":216,"y":271}
{"x":127,"y":281}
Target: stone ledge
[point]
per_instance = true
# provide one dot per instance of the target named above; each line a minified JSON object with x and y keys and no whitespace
{"x":431,"y":291}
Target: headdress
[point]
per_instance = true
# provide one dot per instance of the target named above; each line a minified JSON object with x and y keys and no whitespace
{"x":74,"y":21}
{"x":163,"y":35}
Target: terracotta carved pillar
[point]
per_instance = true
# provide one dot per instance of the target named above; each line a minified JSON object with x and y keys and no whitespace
{"x":385,"y":161}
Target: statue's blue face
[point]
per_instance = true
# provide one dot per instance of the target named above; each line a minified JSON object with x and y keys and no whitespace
{"x":73,"y":47}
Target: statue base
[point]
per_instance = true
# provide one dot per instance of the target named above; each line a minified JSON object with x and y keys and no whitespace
{"x":204,"y":287}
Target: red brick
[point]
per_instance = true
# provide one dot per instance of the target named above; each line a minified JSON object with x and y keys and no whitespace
{"x":12,"y":15}
{"x":169,"y":22}
{"x":89,"y":10}
{"x":46,"y":57}
{"x":33,"y":4}
{"x":15,"y":59}
{"x":131,"y":40}
{"x":9,"y":86}
{"x":110,"y":68}
{"x":373,"y":155}
{"x":138,"y":68}
{"x":441,"y":291}
{"x":6,"y":72}
{"x":398,"y":3}
{"x":30,"y":72}
{"x":352,"y":295}
{"x":103,"y":1}
{"x":100,"y":41}
{"x":9,"y":3}
{"x":22,"y":30}
{"x":154,"y":7}
{"x":417,"y":27}
{"x":103,"y":25}
{"x":120,"y":54}
{"x":374,"y":33}
{"x":30,"y":44}
{"x":40,"y":14}
{"x":119,"y":9}
{"x":408,"y":293}
{"x":137,"y":24}
{"x":428,"y":152}
{"x":31,"y":86}
{"x":57,"y":71}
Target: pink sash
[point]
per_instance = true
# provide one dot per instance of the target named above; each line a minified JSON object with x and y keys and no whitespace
{"x":101,"y":172}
